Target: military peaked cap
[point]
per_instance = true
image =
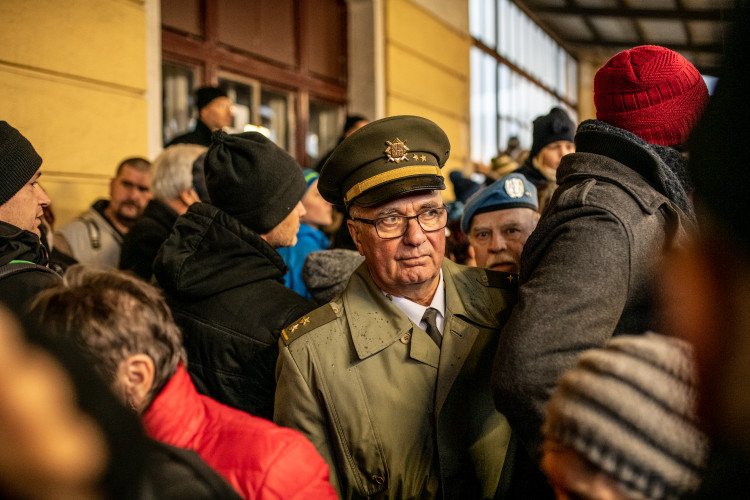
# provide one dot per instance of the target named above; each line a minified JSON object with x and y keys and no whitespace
{"x":385,"y":159}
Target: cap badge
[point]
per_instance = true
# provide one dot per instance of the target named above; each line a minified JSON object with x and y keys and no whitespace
{"x":514,"y":187}
{"x":396,"y":150}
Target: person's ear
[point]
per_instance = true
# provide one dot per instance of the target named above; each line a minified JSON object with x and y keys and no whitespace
{"x":354,"y":232}
{"x":135,"y":377}
{"x":189,"y":196}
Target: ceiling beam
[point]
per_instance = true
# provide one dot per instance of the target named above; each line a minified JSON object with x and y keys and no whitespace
{"x":668,"y":14}
{"x":713,"y":48}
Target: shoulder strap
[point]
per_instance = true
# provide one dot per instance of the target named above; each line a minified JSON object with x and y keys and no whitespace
{"x":318,"y":317}
{"x":93,"y":229}
{"x":20,"y":266}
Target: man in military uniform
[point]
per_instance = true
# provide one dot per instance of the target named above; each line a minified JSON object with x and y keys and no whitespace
{"x":390,"y":380}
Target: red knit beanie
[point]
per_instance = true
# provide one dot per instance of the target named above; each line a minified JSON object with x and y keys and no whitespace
{"x":651,"y":91}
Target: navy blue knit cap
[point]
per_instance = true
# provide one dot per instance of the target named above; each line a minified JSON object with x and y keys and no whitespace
{"x":513,"y":191}
{"x":19,"y":161}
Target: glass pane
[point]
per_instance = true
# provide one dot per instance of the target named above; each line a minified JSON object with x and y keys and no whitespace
{"x":323,"y":130}
{"x":177,"y":100}
{"x":241,"y":95}
{"x":274,"y":115}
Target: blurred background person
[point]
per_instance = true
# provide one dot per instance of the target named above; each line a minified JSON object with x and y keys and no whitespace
{"x":553,"y":135}
{"x":95,"y":237}
{"x":310,"y":238}
{"x":214,"y":113}
{"x":172,"y":188}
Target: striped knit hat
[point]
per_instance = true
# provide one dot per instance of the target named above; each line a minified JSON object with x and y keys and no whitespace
{"x":651,"y":91}
{"x":629,"y":409}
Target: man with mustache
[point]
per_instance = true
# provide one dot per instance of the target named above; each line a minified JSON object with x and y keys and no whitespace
{"x":390,"y":380}
{"x":499,"y":219}
{"x":95,"y":237}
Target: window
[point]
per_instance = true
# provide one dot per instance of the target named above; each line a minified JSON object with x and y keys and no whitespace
{"x":323,"y":131}
{"x":276,"y":59}
{"x":518,"y":72}
{"x":177,"y":100}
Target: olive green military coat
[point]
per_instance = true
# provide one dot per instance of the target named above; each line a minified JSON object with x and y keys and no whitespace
{"x":392,"y":414}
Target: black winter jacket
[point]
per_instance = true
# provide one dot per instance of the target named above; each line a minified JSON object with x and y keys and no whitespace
{"x":225,"y":286}
{"x":140,"y":245}
{"x":18,"y":290}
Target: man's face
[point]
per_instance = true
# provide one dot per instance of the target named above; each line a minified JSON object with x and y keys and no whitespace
{"x":217,"y":113}
{"x":400,"y":265}
{"x":498,"y":237}
{"x":285,"y":233}
{"x":24,"y":209}
{"x":552,"y":153}
{"x":319,"y":211}
{"x":129,"y":193}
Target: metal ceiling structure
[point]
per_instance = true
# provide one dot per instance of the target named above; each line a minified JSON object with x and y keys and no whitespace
{"x":595,"y":30}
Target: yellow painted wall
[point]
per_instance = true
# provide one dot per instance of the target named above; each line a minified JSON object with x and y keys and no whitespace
{"x":427,"y":73}
{"x":73,"y":80}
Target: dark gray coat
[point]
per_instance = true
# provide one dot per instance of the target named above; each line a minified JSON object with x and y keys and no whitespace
{"x":587,"y":270}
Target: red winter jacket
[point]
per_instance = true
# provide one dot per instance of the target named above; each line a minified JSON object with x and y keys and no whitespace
{"x":259,"y":458}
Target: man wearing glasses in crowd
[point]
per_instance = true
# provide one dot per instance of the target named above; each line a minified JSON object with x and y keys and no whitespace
{"x":390,"y":380}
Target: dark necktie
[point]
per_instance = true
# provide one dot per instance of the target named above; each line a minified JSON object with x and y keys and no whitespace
{"x":430,"y":317}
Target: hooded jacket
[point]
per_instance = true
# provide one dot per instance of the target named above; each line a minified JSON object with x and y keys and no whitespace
{"x":225,"y":286}
{"x":20,"y":246}
{"x":260,"y":459}
{"x":587,"y":270}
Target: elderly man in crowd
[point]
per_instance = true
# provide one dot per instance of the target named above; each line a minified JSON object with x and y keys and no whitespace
{"x":127,"y":328}
{"x":390,"y":380}
{"x":172,"y":186}
{"x":23,"y":258}
{"x":498,"y":220}
{"x":95,"y":237}
{"x":223,"y":277}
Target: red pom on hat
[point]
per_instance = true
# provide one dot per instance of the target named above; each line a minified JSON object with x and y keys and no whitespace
{"x":651,"y":91}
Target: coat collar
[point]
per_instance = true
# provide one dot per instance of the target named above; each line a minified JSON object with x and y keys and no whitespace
{"x":375,"y":322}
{"x":176,"y":414}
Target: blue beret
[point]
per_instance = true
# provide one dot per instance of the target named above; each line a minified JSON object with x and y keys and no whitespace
{"x":513,"y":191}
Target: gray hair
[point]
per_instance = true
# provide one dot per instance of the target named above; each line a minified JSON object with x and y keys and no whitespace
{"x":112,"y":315}
{"x":173,"y":170}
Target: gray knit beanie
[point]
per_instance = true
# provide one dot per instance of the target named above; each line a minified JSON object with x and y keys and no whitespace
{"x":252,"y":179}
{"x":629,"y":409}
{"x":326,"y":272}
{"x":19,"y":161}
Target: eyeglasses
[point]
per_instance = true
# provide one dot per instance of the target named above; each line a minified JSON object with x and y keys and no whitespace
{"x":395,"y":226}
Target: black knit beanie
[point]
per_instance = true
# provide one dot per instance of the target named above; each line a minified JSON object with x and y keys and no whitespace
{"x":252,"y":179}
{"x":552,"y":127}
{"x":18,"y":161}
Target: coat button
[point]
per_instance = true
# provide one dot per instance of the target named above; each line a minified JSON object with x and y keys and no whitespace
{"x":335,"y":308}
{"x":379,"y":480}
{"x":406,"y":338}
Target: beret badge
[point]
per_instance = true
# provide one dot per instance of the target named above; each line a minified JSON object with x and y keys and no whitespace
{"x":514,"y":187}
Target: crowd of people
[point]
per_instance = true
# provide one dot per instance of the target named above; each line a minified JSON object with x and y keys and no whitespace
{"x":573,"y":328}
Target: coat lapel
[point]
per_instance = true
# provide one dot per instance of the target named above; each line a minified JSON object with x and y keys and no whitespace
{"x":458,"y":339}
